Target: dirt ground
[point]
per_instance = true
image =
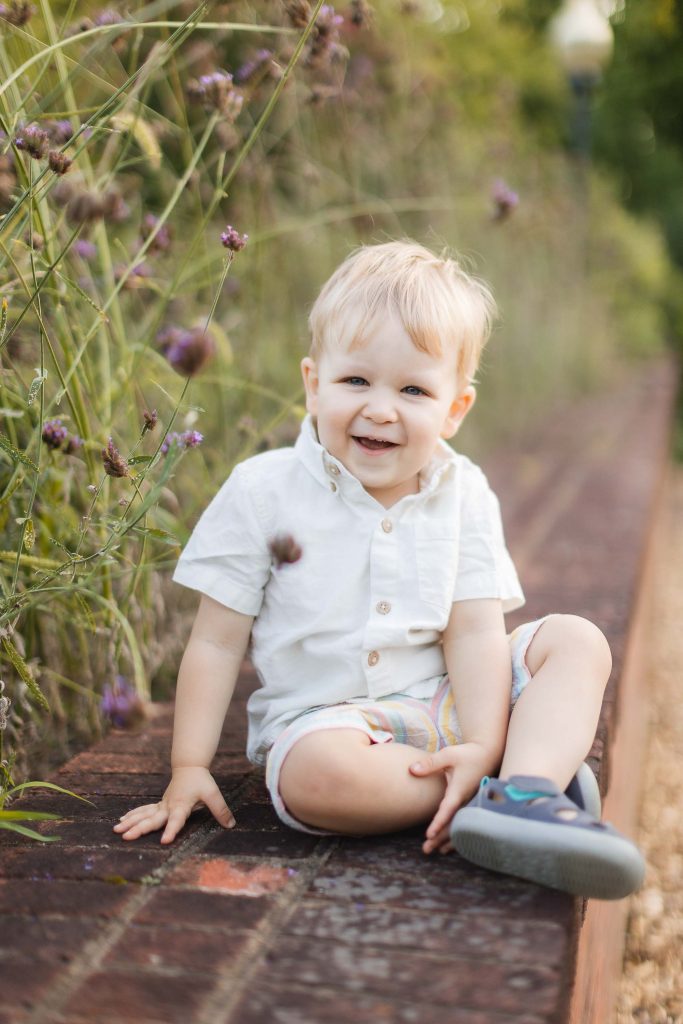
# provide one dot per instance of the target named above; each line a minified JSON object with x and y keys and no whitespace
{"x":652,"y":984}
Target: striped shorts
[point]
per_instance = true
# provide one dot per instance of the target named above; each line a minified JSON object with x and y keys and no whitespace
{"x":428,"y":723}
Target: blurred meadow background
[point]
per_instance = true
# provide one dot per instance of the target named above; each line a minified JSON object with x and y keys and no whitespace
{"x":176,"y":182}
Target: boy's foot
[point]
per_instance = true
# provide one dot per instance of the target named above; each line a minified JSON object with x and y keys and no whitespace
{"x":527,"y":827}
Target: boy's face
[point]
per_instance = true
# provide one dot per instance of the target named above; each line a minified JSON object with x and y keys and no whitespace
{"x":382,"y":408}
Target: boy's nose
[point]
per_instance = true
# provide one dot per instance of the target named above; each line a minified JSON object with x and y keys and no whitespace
{"x":380,"y":408}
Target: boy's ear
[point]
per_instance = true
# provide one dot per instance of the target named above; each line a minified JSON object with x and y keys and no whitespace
{"x":458,"y":410}
{"x":309,"y":372}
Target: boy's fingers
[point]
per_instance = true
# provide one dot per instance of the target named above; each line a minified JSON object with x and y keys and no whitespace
{"x":430,"y":763}
{"x":176,"y":820}
{"x":219,"y":809}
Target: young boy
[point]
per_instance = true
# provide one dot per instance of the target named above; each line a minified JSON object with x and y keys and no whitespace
{"x":387,"y":678}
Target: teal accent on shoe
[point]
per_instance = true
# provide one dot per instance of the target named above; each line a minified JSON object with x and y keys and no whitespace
{"x":484,"y":782}
{"x":524,"y":794}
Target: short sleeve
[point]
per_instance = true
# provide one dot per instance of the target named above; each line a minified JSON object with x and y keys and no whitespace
{"x":227,"y":555}
{"x":485,"y":568}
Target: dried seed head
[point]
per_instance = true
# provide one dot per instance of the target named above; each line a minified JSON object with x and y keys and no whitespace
{"x":284,"y":550}
{"x":114,"y":463}
{"x":59,"y":162}
{"x":150,"y":420}
{"x":17,"y":12}
{"x":299,"y":12}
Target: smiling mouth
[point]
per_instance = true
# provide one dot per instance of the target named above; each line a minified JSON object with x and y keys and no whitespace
{"x":374,"y":444}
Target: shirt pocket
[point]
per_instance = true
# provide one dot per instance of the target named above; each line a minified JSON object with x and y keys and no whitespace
{"x":436,"y":545}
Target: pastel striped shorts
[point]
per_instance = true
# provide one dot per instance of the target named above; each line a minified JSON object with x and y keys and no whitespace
{"x":426,"y":723}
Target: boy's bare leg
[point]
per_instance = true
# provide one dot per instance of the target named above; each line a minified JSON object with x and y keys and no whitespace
{"x":337,"y":779}
{"x":554,"y":721}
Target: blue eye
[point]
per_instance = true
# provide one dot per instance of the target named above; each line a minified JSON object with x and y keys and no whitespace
{"x":355,"y":381}
{"x":412,"y":389}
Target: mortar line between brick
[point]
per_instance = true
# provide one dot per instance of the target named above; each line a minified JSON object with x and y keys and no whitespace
{"x":90,"y":956}
{"x":222,"y":1000}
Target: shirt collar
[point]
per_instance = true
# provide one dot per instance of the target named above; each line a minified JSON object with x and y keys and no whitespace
{"x":328,"y":471}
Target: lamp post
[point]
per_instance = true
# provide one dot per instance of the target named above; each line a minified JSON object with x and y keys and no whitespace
{"x":583,"y":39}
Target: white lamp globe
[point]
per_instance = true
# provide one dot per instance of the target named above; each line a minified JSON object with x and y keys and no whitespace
{"x":582,"y":37}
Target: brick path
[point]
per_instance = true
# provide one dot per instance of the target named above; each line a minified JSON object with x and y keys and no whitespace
{"x":262,"y":924}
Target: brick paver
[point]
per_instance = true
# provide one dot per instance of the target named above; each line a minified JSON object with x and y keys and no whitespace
{"x":262,"y":924}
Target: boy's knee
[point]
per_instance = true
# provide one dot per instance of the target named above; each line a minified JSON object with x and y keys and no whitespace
{"x":580,"y":635}
{"x":317,"y":773}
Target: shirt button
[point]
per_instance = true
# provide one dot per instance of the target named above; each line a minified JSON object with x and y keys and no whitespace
{"x":333,"y":486}
{"x":383,"y":607}
{"x":387,"y":525}
{"x":334,"y":470}
{"x":373,"y":658}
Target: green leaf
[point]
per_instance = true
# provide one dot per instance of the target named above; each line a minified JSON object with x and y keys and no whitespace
{"x":137,"y":460}
{"x":28,"y":816}
{"x":47,"y":785}
{"x":156,"y":534}
{"x":14,"y":453}
{"x":24,"y":672}
{"x":28,"y":832}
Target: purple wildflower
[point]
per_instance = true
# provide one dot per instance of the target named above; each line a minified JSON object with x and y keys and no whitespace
{"x":504,"y":200}
{"x":162,"y":240}
{"x":108,"y":16}
{"x":233,"y":240}
{"x":59,"y":131}
{"x":73,"y":444}
{"x":217,"y":92}
{"x":284,"y":550}
{"x":59,"y":162}
{"x":33,"y":140}
{"x":54,"y":434}
{"x":189,"y":439}
{"x":251,"y":67}
{"x":114,"y":463}
{"x":186,"y":350}
{"x":121,"y":704}
{"x":85,"y":248}
{"x":325,"y":46}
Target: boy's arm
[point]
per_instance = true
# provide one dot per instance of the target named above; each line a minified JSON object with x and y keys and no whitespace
{"x":206,"y":681}
{"x":477,"y":656}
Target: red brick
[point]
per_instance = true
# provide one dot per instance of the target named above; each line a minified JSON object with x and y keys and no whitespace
{"x":179,"y":948}
{"x":495,"y":934}
{"x":24,"y":982}
{"x":145,"y":788}
{"x":125,"y":862}
{"x":472,"y":890}
{"x":119,"y":996}
{"x":44,"y":938}
{"x":478,"y":983}
{"x":196,"y":908}
{"x":74,"y":899}
{"x":282,"y":843}
{"x":289,"y":1004}
{"x":239,"y":878}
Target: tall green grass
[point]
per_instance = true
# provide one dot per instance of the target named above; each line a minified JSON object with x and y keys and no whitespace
{"x":347,"y":133}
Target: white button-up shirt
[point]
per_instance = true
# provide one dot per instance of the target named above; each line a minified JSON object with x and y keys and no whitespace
{"x":362,"y":612}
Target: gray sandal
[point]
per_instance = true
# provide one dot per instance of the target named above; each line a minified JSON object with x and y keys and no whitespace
{"x":525,"y":826}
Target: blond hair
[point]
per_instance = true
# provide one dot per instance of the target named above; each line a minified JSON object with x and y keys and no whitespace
{"x":440,"y":305}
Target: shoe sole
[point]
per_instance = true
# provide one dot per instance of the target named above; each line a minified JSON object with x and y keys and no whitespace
{"x":576,"y":861}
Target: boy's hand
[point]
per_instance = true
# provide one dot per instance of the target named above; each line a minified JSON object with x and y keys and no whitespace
{"x":463,"y":765}
{"x":188,"y":789}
